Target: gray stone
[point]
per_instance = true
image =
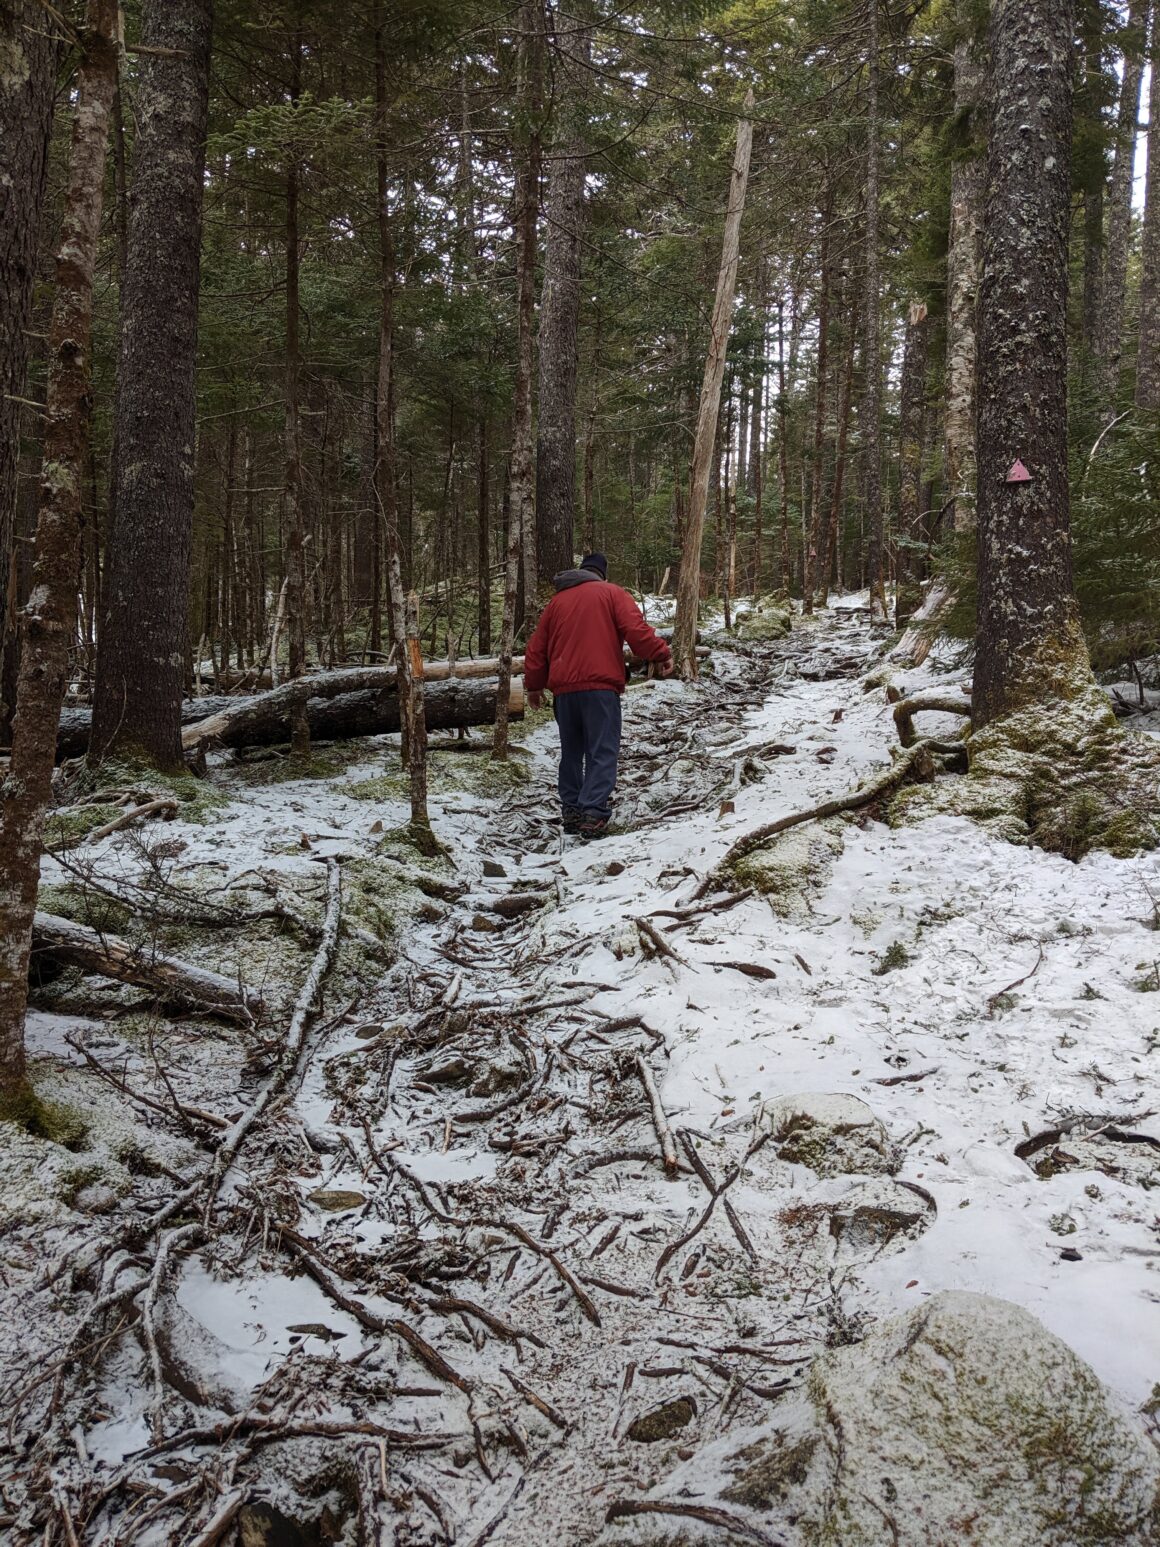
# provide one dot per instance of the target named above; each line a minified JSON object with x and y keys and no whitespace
{"x":963,"y":1421}
{"x":874,"y":1215}
{"x":834,"y":1135}
{"x":335,"y":1199}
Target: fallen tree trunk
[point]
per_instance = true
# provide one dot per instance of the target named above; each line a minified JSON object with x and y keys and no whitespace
{"x":339,"y":704}
{"x":460,"y":696}
{"x":175,"y":982}
{"x":265,"y":721}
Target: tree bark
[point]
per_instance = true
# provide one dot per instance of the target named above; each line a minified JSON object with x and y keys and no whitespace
{"x":1148,"y":358}
{"x":1111,"y":332}
{"x":140,"y":664}
{"x":521,"y":530}
{"x":292,"y":497}
{"x":783,"y":450}
{"x":963,"y":260}
{"x":847,"y":398}
{"x":814,"y":529}
{"x":871,"y":419}
{"x":756,"y":470}
{"x":27,"y":86}
{"x":48,"y":621}
{"x":689,"y":580}
{"x":912,"y":417}
{"x":359,"y":711}
{"x":483,"y":506}
{"x":564,"y":214}
{"x":1028,"y":640}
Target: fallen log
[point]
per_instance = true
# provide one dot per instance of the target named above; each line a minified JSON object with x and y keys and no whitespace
{"x":359,"y":702}
{"x":265,"y":720}
{"x":175,"y":982}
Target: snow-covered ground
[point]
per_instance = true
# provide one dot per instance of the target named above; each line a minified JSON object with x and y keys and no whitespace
{"x":973,"y":994}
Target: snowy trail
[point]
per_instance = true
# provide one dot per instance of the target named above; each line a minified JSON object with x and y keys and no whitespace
{"x":474,"y":1153}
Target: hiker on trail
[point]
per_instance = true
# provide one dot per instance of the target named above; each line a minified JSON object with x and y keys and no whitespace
{"x":577,"y":651}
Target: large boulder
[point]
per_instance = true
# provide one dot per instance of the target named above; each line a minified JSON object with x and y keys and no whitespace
{"x":762,"y":619}
{"x":962,"y":1422}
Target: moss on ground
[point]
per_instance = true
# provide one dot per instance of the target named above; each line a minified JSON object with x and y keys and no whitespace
{"x":73,"y":900}
{"x":475,"y":773}
{"x":324,"y":762}
{"x":794,"y":867}
{"x":69,"y":825}
{"x":197,"y":799}
{"x":763,"y":618}
{"x":1061,"y":776}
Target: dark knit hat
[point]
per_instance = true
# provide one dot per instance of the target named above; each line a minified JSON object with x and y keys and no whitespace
{"x":598,"y":562}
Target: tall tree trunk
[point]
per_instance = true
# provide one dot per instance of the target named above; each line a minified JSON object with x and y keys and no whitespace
{"x":139,"y":686}
{"x":1029,"y":648}
{"x":912,"y":418}
{"x":1148,"y":358}
{"x":844,"y":406}
{"x":814,"y":525}
{"x":564,"y":214}
{"x":525,"y":220}
{"x":783,"y":449}
{"x":483,"y":507}
{"x":1111,"y":333}
{"x":293,"y":494}
{"x":689,"y":581}
{"x":27,"y":94}
{"x":48,"y":621}
{"x":871,"y":419}
{"x":756,"y":469}
{"x":963,"y":259}
{"x":1094,"y":175}
{"x":404,"y":619}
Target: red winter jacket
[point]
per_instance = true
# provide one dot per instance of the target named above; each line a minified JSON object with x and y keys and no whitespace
{"x":578,"y":645}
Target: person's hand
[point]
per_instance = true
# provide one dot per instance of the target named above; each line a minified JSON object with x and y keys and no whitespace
{"x":535,"y":699}
{"x":667,"y":667}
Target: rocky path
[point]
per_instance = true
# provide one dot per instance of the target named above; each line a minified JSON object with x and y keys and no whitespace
{"x":570,"y":1202}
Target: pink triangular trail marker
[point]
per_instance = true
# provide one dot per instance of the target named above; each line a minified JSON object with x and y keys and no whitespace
{"x":1018,"y":474}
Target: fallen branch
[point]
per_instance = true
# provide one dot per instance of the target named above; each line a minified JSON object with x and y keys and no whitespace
{"x":175,"y":982}
{"x":295,"y":1035}
{"x":164,"y":803}
{"x":993,"y":999}
{"x":434,"y":1361}
{"x":915,"y":761}
{"x":660,"y":1120}
{"x":652,"y":936}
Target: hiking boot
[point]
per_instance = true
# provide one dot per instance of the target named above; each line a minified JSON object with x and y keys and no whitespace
{"x":593,"y":827}
{"x":571,"y":818}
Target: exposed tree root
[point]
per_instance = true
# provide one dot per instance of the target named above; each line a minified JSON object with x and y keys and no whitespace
{"x":707,"y":1515}
{"x":930,"y":703}
{"x":915,"y":763}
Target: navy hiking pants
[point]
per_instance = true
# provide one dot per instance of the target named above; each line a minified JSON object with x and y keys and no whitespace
{"x":589,"y":726}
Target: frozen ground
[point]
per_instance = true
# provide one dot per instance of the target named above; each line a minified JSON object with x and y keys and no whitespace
{"x":467,"y":1147}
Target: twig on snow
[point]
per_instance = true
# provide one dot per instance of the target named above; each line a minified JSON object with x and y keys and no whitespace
{"x":660,"y":1120}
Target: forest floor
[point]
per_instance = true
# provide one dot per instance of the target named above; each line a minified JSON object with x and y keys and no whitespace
{"x":447,"y":1288}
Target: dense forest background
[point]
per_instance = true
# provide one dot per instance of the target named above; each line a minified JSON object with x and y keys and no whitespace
{"x":317,"y":113}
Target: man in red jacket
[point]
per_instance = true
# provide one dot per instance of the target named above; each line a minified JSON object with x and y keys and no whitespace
{"x":577,"y":651}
